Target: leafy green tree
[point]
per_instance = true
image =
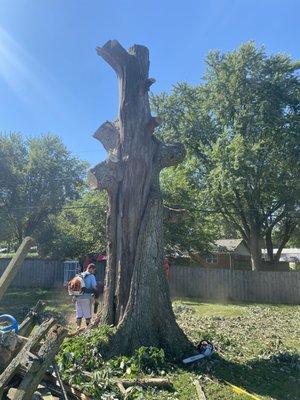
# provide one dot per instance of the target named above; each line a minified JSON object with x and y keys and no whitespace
{"x":193,"y":232}
{"x":37,"y":177}
{"x":243,"y":127}
{"x":77,"y":230}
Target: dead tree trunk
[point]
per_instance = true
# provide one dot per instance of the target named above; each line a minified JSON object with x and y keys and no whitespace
{"x":136,"y":296}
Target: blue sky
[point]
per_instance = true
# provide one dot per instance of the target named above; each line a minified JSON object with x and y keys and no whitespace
{"x":51,"y":79}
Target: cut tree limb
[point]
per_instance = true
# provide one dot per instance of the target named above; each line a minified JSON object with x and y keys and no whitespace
{"x":9,"y":343}
{"x":174,"y":215}
{"x":31,"y":319}
{"x":121,"y":389}
{"x":24,"y":357}
{"x":37,"y":367}
{"x":107,"y":134}
{"x":114,"y":54}
{"x":163,"y":383}
{"x":61,"y":383}
{"x":200,"y":393}
{"x":151,"y":382}
{"x":149,"y":83}
{"x":52,"y":383}
{"x":105,"y":175}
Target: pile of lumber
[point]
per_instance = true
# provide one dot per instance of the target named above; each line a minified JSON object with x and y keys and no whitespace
{"x":28,"y":356}
{"x":25,"y":357}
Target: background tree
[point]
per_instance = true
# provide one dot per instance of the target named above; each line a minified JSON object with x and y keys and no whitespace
{"x":243,"y":127}
{"x":196,"y":231}
{"x":37,"y":177}
{"x":77,"y":230}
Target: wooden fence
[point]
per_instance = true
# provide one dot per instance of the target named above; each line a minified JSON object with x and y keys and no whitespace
{"x":41,"y":273}
{"x":186,"y":281}
{"x":235,"y":285}
{"x":37,"y":273}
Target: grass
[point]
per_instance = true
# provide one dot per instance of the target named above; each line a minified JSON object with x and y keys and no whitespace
{"x":257,"y":346}
{"x":257,"y":349}
{"x":18,"y":302}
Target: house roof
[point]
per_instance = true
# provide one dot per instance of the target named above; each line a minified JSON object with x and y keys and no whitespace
{"x":228,"y":244}
{"x":284,"y":251}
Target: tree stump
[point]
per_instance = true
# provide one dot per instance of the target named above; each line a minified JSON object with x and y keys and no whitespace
{"x":136,"y":294}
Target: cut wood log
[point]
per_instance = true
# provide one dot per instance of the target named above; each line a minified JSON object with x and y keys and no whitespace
{"x":163,"y":383}
{"x":53,"y":385}
{"x":38,"y":366}
{"x":125,"y":385}
{"x":11,"y":344}
{"x":14,"y":265}
{"x":200,"y":393}
{"x":31,"y":319}
{"x":61,"y":383}
{"x":24,"y":357}
{"x":121,"y":388}
{"x":8,"y":344}
{"x":36,"y":396}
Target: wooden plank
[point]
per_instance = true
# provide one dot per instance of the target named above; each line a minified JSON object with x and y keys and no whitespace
{"x":25,"y":355}
{"x":14,"y":265}
{"x":39,"y":365}
{"x":31,"y":319}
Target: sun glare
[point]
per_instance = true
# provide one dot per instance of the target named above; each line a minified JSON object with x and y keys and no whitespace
{"x":19,"y":69}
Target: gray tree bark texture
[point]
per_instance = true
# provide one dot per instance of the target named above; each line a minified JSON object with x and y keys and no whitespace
{"x":136,"y":295}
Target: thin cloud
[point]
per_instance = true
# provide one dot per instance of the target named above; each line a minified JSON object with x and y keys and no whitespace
{"x":22,"y":73}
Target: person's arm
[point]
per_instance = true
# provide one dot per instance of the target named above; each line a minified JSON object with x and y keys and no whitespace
{"x":93,"y":282}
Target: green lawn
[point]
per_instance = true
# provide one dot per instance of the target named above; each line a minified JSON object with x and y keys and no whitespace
{"x":257,"y":346}
{"x":257,"y":349}
{"x":18,"y":302}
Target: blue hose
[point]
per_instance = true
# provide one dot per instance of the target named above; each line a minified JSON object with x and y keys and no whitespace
{"x":13,"y":323}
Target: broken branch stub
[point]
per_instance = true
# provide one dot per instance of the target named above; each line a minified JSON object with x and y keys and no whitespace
{"x":114,"y":54}
{"x":171,"y":155}
{"x":105,"y":176}
{"x":174,"y":215}
{"x":107,"y":134}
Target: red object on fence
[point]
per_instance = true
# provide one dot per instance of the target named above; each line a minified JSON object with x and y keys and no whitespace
{"x":167,"y":268}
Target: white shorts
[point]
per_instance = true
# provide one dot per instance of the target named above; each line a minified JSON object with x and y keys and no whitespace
{"x":83,"y":308}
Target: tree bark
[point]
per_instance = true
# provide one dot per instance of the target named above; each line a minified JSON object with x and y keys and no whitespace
{"x":269,"y":245}
{"x":136,"y":296}
{"x":255,"y":249}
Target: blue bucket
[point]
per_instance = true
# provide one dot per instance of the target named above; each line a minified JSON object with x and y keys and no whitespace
{"x":13,"y":323}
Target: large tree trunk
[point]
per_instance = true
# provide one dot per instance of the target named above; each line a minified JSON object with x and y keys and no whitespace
{"x":136,"y":296}
{"x":255,"y":250}
{"x":269,"y":245}
{"x":284,"y":234}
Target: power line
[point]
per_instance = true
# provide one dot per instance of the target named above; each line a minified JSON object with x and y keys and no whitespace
{"x":294,"y":214}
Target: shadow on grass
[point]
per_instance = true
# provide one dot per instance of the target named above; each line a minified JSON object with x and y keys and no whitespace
{"x":277,"y":377}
